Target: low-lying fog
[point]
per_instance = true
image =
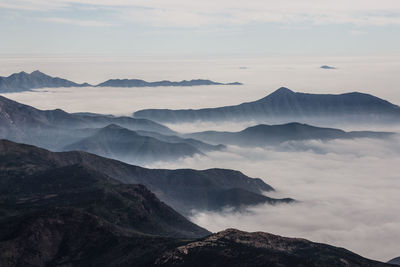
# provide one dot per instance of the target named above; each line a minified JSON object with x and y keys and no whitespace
{"x":348,"y":192}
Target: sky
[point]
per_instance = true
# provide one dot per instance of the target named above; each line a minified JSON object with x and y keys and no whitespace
{"x":286,"y":27}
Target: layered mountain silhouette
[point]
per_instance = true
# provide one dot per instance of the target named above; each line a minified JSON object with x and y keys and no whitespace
{"x":119,"y":143}
{"x":142,"y":83}
{"x":260,"y":135}
{"x":47,"y":128}
{"x":183,"y":189}
{"x":77,"y":209}
{"x":284,"y":105}
{"x":132,"y":140}
{"x":22,"y":81}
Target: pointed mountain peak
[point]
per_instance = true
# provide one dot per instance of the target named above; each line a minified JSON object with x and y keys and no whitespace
{"x":283,"y":90}
{"x":37,"y":73}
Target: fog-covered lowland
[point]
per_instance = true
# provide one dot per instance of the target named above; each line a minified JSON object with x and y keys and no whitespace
{"x":346,"y":189}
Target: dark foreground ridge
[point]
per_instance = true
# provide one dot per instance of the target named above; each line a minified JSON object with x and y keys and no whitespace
{"x":183,"y":189}
{"x":62,"y":209}
{"x":237,"y":248}
{"x":22,"y":81}
{"x":284,"y":106}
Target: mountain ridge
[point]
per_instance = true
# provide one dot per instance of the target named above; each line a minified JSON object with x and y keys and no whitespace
{"x":263,"y":134}
{"x":284,"y":105}
{"x":182,"y":189}
{"x":22,"y":81}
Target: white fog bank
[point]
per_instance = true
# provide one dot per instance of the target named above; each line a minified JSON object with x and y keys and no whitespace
{"x":348,"y":192}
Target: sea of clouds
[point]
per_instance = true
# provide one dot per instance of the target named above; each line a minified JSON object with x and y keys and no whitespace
{"x":347,"y":192}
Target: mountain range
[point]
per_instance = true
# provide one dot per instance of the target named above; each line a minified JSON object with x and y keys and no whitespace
{"x":183,"y":189}
{"x":261,"y":135}
{"x":64,"y":209}
{"x":284,"y":105}
{"x":132,"y":140}
{"x":119,"y":143}
{"x":22,"y":81}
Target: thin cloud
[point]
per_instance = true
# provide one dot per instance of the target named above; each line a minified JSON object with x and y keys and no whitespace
{"x":199,"y":13}
{"x":78,"y":22}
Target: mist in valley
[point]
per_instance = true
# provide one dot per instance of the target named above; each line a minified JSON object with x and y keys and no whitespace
{"x":347,"y":192}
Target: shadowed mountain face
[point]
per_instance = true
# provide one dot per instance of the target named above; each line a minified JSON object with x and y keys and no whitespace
{"x":23,"y":81}
{"x":68,"y":237}
{"x":261,"y":135}
{"x":71,"y":237}
{"x":79,"y":187}
{"x":395,"y":261}
{"x":236,"y":248}
{"x":122,"y":144}
{"x":285,"y":105}
{"x":183,"y":189}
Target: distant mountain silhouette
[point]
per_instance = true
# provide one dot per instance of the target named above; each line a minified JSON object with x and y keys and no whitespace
{"x":22,"y":81}
{"x":204,"y":147}
{"x":183,"y":189}
{"x":326,"y":67}
{"x":260,"y":135}
{"x":56,"y":128}
{"x":284,"y":105}
{"x":119,"y":143}
{"x":141,"y":83}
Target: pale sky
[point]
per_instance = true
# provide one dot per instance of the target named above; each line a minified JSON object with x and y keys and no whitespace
{"x":285,"y":27}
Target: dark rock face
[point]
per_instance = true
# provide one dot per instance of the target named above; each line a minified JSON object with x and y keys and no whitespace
{"x":79,"y":187}
{"x":23,"y":81}
{"x":395,"y":261}
{"x":141,"y":83}
{"x":236,"y":248}
{"x":261,"y":135}
{"x":71,"y":237}
{"x":285,"y":105}
{"x":183,"y":189}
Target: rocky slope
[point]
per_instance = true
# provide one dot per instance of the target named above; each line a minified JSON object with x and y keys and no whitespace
{"x":183,"y":189}
{"x":236,"y":248}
